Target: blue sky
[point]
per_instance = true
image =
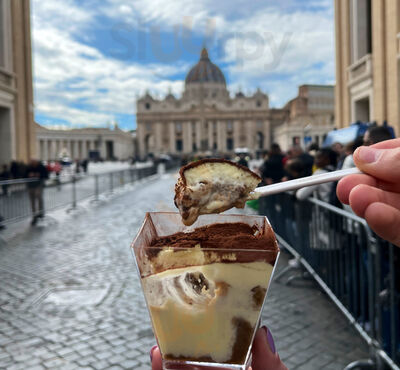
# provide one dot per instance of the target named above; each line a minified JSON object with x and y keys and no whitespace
{"x":91,"y":59}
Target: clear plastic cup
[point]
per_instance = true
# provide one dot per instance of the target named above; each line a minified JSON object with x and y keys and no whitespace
{"x":204,"y":315}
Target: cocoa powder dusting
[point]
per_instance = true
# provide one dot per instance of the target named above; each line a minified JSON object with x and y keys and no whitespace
{"x":223,"y":238}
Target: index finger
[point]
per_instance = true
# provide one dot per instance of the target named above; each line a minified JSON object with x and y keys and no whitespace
{"x":387,"y":144}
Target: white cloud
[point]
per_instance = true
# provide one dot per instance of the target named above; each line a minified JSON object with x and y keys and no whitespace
{"x":297,"y":46}
{"x":79,"y":83}
{"x":291,"y":38}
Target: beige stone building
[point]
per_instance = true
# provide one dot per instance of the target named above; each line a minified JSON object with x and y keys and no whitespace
{"x":82,"y":143}
{"x":310,"y":117}
{"x":367,"y":61}
{"x":17,"y":134}
{"x":206,"y":118}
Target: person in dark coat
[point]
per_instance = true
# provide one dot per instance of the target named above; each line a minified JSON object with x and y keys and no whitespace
{"x":38,"y":173}
{"x":307,"y":159}
{"x":272,"y":170}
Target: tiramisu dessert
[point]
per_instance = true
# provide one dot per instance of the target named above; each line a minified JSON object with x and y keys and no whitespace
{"x":212,"y":186}
{"x":205,"y":287}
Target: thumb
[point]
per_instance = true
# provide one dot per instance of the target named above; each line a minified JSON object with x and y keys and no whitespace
{"x":264,"y":352}
{"x":383,"y":164}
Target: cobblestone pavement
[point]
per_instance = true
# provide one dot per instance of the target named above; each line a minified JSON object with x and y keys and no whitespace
{"x":70,"y":297}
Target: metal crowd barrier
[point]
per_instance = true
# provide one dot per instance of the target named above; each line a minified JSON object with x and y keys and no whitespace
{"x":359,"y":271}
{"x":15,"y":201}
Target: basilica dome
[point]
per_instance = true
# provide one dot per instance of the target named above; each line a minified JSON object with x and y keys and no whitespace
{"x":205,"y":71}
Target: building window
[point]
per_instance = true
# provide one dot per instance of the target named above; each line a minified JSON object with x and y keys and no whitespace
{"x":229,"y":126}
{"x":215,"y":126}
{"x":147,"y":106}
{"x":229,"y":144}
{"x":258,"y":103}
{"x":178,"y":127}
{"x":361,"y":110}
{"x":194,"y":147}
{"x":360,"y":28}
{"x":178,"y":145}
{"x":215,"y":146}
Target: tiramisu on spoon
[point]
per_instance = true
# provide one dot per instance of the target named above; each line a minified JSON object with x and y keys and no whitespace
{"x":216,"y":185}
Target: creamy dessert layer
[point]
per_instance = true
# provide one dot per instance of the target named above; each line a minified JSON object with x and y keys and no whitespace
{"x":212,"y":186}
{"x":197,"y":311}
{"x":205,"y":290}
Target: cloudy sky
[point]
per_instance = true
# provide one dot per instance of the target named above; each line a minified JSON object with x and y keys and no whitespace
{"x":92,"y":59}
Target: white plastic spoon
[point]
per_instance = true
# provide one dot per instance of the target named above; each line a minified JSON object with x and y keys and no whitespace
{"x":303,"y":182}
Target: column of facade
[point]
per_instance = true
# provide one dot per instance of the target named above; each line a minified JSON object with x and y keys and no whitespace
{"x":45,"y":147}
{"x":157,"y":137}
{"x":221,"y":136}
{"x":57,"y":148}
{"x":102,"y":148}
{"x":267,"y":134}
{"x":198,"y":134}
{"x":190,"y":136}
{"x":53,"y":149}
{"x":87,"y":148}
{"x":77,"y":151}
{"x":210,"y":135}
{"x":82,"y":149}
{"x":172,"y":137}
{"x":73,"y":149}
{"x":41,"y":149}
{"x":69,"y":148}
{"x":236,"y":133}
{"x":185,"y":137}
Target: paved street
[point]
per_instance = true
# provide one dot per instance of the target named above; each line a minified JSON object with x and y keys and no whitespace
{"x":70,"y":296}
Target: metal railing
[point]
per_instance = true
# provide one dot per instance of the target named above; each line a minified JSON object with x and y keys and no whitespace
{"x":359,"y":271}
{"x":15,"y":194}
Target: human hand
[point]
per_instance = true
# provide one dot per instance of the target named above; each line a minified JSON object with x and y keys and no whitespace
{"x":264,"y":354}
{"x":375,"y":195}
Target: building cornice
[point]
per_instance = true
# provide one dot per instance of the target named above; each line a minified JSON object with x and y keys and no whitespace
{"x":211,"y":115}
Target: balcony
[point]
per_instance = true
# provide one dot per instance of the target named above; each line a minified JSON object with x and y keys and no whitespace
{"x":7,"y":81}
{"x":360,"y":70}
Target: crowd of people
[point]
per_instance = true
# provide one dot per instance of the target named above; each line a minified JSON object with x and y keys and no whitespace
{"x":296,"y":163}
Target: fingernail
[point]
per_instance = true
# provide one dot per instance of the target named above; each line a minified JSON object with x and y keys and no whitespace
{"x":369,"y":155}
{"x":270,"y":340}
{"x":151,"y":352}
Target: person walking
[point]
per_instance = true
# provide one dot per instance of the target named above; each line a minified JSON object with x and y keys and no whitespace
{"x":38,"y":173}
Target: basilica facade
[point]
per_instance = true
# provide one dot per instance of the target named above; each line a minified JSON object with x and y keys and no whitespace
{"x":206,"y":119}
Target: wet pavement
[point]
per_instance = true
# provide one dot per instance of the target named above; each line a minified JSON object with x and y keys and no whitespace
{"x":70,"y":296}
